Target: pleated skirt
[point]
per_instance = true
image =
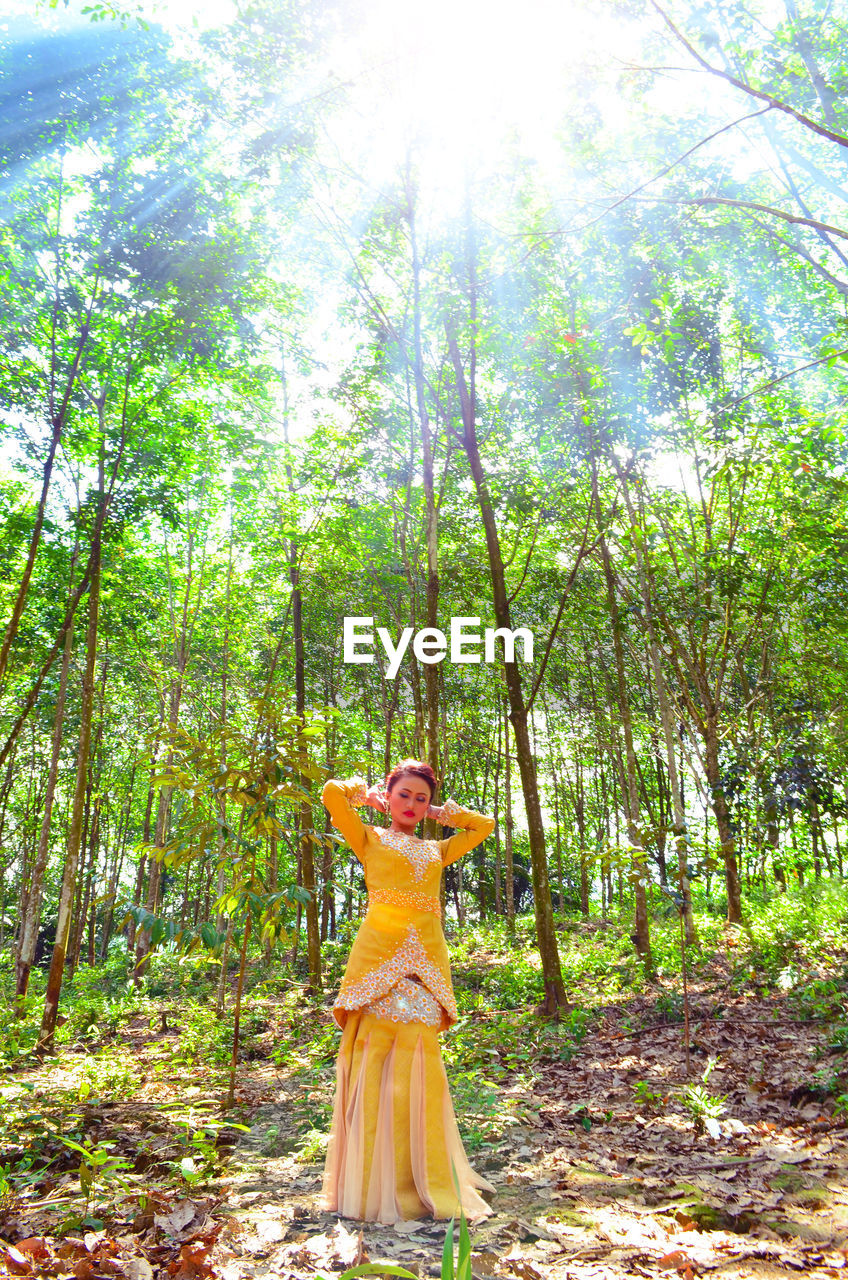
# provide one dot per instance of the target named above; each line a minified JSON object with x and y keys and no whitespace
{"x":395,"y":1152}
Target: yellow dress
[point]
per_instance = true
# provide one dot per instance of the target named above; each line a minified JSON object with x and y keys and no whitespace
{"x":395,"y":1152}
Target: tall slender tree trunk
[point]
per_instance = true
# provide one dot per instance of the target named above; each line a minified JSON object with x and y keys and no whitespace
{"x":726,"y":834}
{"x":89,"y":911}
{"x":58,"y":417}
{"x":154,"y":864}
{"x":328,"y":897}
{"x":32,"y":914}
{"x":307,"y":823}
{"x":772,"y":837}
{"x":307,"y":857}
{"x":222,"y":801}
{"x":629,"y":769}
{"x":87,"y":880}
{"x":555,"y":997}
{"x":431,"y":675}
{"x":630,"y":783}
{"x":117,"y":867}
{"x":509,"y":870}
{"x":273,"y":881}
{"x":5,"y":790}
{"x":69,"y":875}
{"x":681,"y":831}
{"x":580,"y":818}
{"x":560,"y":887}
{"x":35,"y":539}
{"x":146,"y":828}
{"x":183,"y":631}
{"x":497,"y":831}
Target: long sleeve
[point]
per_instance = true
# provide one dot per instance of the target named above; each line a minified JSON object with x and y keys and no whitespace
{"x":474,"y":829}
{"x":339,"y":798}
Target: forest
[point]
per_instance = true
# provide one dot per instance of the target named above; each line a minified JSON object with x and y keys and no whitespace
{"x":325,"y":322}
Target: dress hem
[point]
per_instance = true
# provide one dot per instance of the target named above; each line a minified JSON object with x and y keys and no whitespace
{"x":395,"y":1152}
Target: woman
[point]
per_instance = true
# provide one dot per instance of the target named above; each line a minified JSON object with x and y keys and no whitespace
{"x":395,"y":1152}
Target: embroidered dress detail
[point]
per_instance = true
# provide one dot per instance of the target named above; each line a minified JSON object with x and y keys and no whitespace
{"x":421,"y":854}
{"x":409,"y":960}
{"x":359,"y":792}
{"x":406,"y":898}
{"x":409,"y":1001}
{"x":449,"y":810}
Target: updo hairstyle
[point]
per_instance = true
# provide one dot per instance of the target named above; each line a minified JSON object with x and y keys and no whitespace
{"x":419,"y":768}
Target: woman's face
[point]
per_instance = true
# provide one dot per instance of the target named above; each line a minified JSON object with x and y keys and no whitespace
{"x":409,"y":800}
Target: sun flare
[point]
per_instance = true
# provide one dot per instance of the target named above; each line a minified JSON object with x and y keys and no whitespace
{"x":453,"y":81}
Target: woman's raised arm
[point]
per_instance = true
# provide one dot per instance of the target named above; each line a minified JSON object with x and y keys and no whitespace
{"x":474,"y":829}
{"x":342,"y":800}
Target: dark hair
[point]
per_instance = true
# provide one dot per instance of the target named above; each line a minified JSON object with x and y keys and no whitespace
{"x":417,"y":767}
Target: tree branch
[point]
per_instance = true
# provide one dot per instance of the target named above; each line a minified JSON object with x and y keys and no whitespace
{"x":752,"y":115}
{"x":584,"y":551}
{"x":759,"y":94}
{"x":839,"y":285}
{"x":767,"y":386}
{"x":754,"y":207}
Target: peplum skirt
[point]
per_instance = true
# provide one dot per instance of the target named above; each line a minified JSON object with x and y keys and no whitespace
{"x":394,"y":1151}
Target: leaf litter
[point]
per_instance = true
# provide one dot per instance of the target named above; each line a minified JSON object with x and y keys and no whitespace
{"x":590,"y":1184}
{"x":601,"y":1171}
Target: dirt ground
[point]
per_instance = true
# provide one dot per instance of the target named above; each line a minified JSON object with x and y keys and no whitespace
{"x":590,"y":1184}
{"x":600,"y":1170}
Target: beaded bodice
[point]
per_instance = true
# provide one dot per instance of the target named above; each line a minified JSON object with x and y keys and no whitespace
{"x":420,"y":854}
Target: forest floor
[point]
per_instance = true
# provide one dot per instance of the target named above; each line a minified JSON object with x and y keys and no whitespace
{"x":607,"y":1158}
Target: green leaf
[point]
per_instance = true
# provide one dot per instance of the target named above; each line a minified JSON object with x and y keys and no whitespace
{"x":376,"y":1269}
{"x":75,"y":1146}
{"x":463,"y":1258}
{"x":447,"y":1254}
{"x":209,"y":934}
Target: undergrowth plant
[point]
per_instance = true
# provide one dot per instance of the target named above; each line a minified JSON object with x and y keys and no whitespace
{"x":797,"y":928}
{"x":98,"y":1168}
{"x":645,"y":1096}
{"x":704,"y":1107}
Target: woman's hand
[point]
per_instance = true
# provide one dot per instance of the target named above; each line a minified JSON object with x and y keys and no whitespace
{"x":375,"y":798}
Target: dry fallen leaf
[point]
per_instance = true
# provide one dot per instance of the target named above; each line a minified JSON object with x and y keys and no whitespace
{"x":16,"y":1262}
{"x":192,"y":1264}
{"x":174,"y":1222}
{"x":677,"y":1260}
{"x":348,"y":1245}
{"x":70,"y":1248}
{"x":331,"y":1249}
{"x":271,"y":1230}
{"x":485,"y":1264}
{"x":138,"y":1269}
{"x":524,"y":1269}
